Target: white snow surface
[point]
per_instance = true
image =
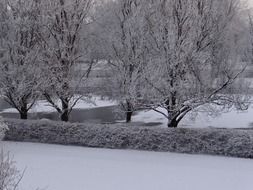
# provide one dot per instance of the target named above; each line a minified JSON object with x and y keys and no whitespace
{"x":231,"y":119}
{"x":56,"y":167}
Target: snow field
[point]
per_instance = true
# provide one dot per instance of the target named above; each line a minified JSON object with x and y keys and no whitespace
{"x":55,"y":167}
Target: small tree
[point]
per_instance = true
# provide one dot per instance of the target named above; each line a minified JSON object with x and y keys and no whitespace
{"x":124,"y":35}
{"x":19,"y":73}
{"x":66,"y":66}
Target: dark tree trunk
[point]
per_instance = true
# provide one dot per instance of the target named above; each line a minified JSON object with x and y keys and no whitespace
{"x":173,"y":115}
{"x":65,"y":111}
{"x":23,"y":112}
{"x":129,"y":116}
{"x":129,"y":112}
{"x":23,"y":115}
{"x":65,"y":116}
{"x":173,"y":123}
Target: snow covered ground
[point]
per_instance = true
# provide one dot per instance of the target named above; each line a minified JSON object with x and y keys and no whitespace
{"x":55,"y":167}
{"x":232,"y":119}
{"x":44,"y":106}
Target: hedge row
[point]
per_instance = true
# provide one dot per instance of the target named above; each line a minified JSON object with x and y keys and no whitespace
{"x":226,"y":142}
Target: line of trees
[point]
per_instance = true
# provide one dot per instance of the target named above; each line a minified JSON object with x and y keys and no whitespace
{"x":179,"y":55}
{"x":42,"y":45}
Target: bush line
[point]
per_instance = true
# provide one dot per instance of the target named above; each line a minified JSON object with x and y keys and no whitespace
{"x":225,"y":142}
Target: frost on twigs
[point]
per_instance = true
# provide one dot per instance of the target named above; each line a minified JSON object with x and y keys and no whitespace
{"x":10,"y":176}
{"x":3,"y":128}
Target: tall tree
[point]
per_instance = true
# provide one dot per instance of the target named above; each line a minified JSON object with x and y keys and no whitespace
{"x":66,"y":66}
{"x":19,"y":74}
{"x":125,"y":45}
{"x":192,"y":62}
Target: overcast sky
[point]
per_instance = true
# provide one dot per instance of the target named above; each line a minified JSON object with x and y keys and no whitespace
{"x":251,"y":3}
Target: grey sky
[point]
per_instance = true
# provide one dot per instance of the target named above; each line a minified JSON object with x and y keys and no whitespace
{"x":251,"y":3}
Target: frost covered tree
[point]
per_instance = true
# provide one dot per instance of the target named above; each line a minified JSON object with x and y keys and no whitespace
{"x":66,"y":66}
{"x":19,"y":53}
{"x":192,"y":61}
{"x":125,"y":44}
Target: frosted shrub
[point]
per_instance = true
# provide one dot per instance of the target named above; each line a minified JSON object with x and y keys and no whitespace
{"x":10,"y":176}
{"x":3,"y":128}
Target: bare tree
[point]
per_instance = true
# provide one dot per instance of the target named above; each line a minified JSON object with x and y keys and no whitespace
{"x":191,"y":62}
{"x":66,"y":66}
{"x":19,"y":74}
{"x":125,"y":44}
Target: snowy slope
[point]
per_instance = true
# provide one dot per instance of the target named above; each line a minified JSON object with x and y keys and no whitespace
{"x":75,"y":168}
{"x":232,"y":119}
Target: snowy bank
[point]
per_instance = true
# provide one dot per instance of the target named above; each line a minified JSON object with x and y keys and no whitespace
{"x":54,"y":167}
{"x":228,"y":142}
{"x":231,"y":119}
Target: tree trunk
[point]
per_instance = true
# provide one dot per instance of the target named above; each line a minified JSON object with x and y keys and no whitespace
{"x":65,"y":111}
{"x":173,"y":123}
{"x":23,"y":115}
{"x":129,"y":112}
{"x":23,"y":112}
{"x":65,"y":116}
{"x":173,"y":115}
{"x":129,"y":116}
